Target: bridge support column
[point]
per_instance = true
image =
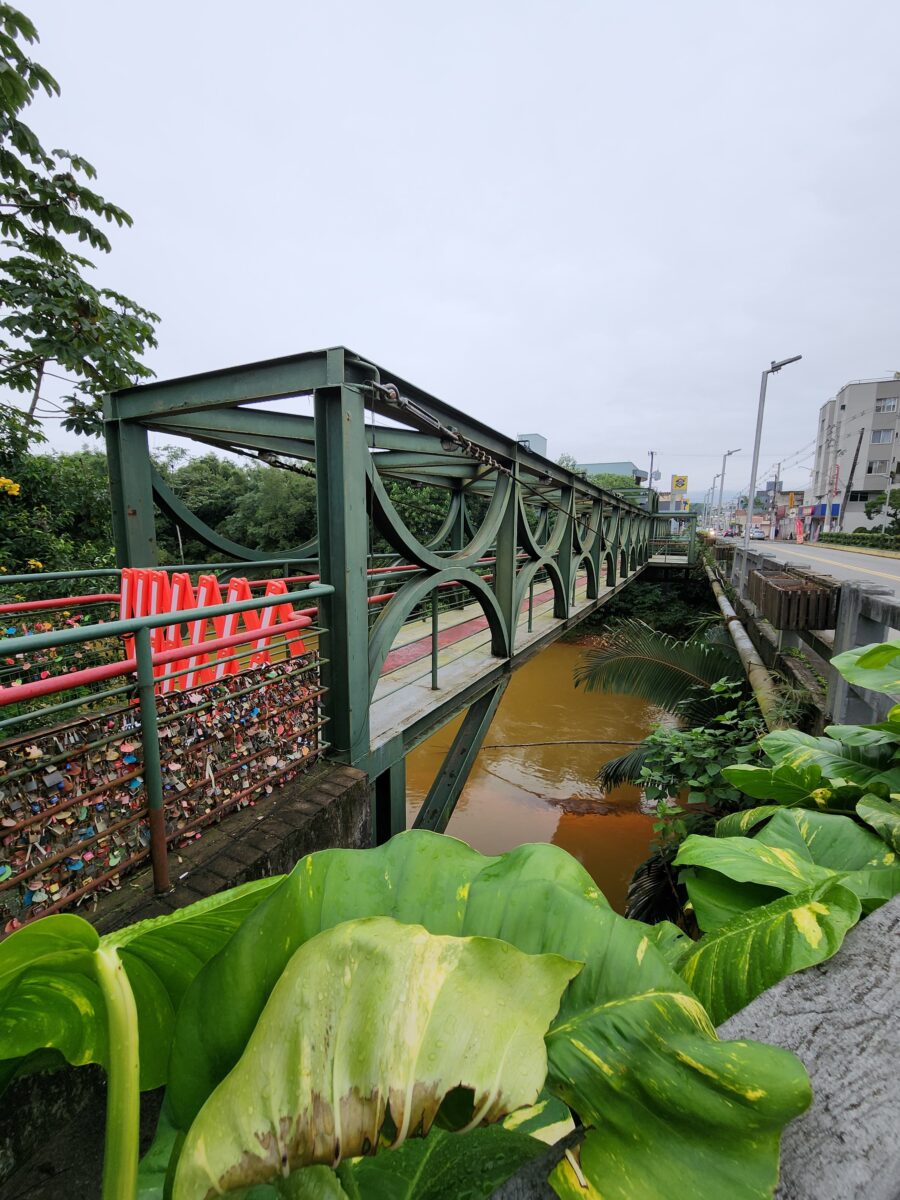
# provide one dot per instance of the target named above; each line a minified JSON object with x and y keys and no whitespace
{"x":566,"y":556}
{"x":390,"y":802}
{"x":131,"y":492}
{"x":343,"y":540}
{"x":454,"y":771}
{"x":506,"y":565}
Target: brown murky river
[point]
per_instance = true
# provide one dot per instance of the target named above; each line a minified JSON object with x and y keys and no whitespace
{"x":534,"y":782}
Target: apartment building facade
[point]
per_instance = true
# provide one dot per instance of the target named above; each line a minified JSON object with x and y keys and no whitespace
{"x":856,"y":452}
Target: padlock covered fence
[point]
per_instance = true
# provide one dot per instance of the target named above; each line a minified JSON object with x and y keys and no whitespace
{"x":121,"y":739}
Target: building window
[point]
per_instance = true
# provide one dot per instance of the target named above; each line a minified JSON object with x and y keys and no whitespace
{"x":843,"y":406}
{"x":878,"y":466}
{"x":860,"y":497}
{"x":882,"y":435}
{"x":886,"y":404}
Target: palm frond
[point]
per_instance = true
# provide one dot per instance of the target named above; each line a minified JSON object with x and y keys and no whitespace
{"x":639,"y":661}
{"x":624,"y":768}
{"x":654,"y":893}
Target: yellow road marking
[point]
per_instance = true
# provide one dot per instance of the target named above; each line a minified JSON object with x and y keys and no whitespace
{"x":849,"y":566}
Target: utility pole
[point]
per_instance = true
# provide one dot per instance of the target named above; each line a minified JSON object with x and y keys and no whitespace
{"x":650,"y":480}
{"x":725,"y":458}
{"x":776,"y":366}
{"x":849,"y":484}
{"x":774,"y":504}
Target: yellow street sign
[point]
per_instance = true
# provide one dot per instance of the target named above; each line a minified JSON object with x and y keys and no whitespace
{"x":679,"y":483}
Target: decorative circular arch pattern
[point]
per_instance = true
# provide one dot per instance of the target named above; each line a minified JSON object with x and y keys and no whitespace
{"x":393,"y":616}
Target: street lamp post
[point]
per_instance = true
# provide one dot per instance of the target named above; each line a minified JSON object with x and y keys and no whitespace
{"x":776,"y":366}
{"x":725,"y":456}
{"x":712,"y":499}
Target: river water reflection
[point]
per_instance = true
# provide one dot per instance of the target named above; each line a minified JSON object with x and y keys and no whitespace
{"x":532,"y":782}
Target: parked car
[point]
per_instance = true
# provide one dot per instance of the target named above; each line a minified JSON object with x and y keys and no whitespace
{"x":757,"y":535}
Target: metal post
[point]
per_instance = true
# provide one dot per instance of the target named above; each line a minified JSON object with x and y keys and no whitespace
{"x":434,"y":640}
{"x":776,"y":366}
{"x":152,"y":768}
{"x":751,"y":495}
{"x":530,"y":604}
{"x":343,"y":529}
{"x":721,"y":513}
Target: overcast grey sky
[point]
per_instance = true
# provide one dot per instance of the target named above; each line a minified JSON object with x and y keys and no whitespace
{"x":594,"y":220}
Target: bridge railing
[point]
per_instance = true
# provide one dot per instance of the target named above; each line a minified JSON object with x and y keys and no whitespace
{"x":113,"y":752}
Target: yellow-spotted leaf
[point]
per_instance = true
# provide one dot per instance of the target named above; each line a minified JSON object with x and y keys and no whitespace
{"x":746,"y":860}
{"x":884,"y":817}
{"x":370,"y":1019}
{"x":676,"y":1114}
{"x":736,"y":824}
{"x":728,"y":968}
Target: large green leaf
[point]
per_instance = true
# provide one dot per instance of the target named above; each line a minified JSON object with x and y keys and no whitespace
{"x":874,"y":667}
{"x":435,"y":1167}
{"x":737,"y":823}
{"x":884,"y":818}
{"x":372,"y":1017}
{"x":729,"y":967}
{"x":867,"y":766}
{"x":786,"y":784}
{"x":748,"y":861}
{"x":49,"y":995}
{"x":528,"y":898}
{"x":796,"y":849}
{"x":679,"y":1115}
{"x":836,"y":842}
{"x":442,"y":1165}
{"x":716,"y":899}
{"x":418,"y":878}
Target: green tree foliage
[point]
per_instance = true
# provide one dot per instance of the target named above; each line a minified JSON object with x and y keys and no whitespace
{"x":49,"y":312}
{"x":612,"y":481}
{"x":878,"y":505}
{"x":55,"y":510}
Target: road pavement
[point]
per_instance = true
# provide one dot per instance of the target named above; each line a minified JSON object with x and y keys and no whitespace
{"x":841,"y":564}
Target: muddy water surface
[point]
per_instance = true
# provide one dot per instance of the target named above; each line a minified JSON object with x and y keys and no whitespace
{"x":535,"y":777}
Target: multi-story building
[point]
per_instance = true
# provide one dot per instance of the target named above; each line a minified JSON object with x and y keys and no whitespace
{"x":856,"y":452}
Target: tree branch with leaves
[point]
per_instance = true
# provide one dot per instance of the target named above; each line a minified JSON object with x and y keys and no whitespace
{"x":49,"y":312}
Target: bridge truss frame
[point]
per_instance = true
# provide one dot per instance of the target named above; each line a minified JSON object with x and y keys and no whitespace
{"x":370,"y":426}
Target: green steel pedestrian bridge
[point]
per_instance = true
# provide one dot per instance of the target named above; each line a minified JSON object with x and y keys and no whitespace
{"x":409,"y":633}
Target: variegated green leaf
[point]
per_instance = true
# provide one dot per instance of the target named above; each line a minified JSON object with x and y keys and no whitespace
{"x":643,"y":1074}
{"x":874,"y":667}
{"x":728,"y":968}
{"x":371,"y":1014}
{"x":716,"y":899}
{"x":417,"y":877}
{"x":865,"y":766}
{"x":826,"y":839}
{"x":669,"y":940}
{"x":748,"y":861}
{"x":786,"y":784}
{"x":738,"y":823}
{"x":883,"y":816}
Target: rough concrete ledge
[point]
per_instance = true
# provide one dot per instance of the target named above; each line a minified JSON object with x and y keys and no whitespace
{"x":843,"y":1020}
{"x":51,"y":1124}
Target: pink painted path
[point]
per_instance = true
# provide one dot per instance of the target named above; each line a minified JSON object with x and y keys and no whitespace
{"x":413,"y":651}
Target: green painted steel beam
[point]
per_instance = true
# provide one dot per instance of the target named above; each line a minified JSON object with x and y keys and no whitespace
{"x":343,"y":547}
{"x":131,"y":494}
{"x":443,"y":794}
{"x":276,"y":378}
{"x":389,"y":802}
